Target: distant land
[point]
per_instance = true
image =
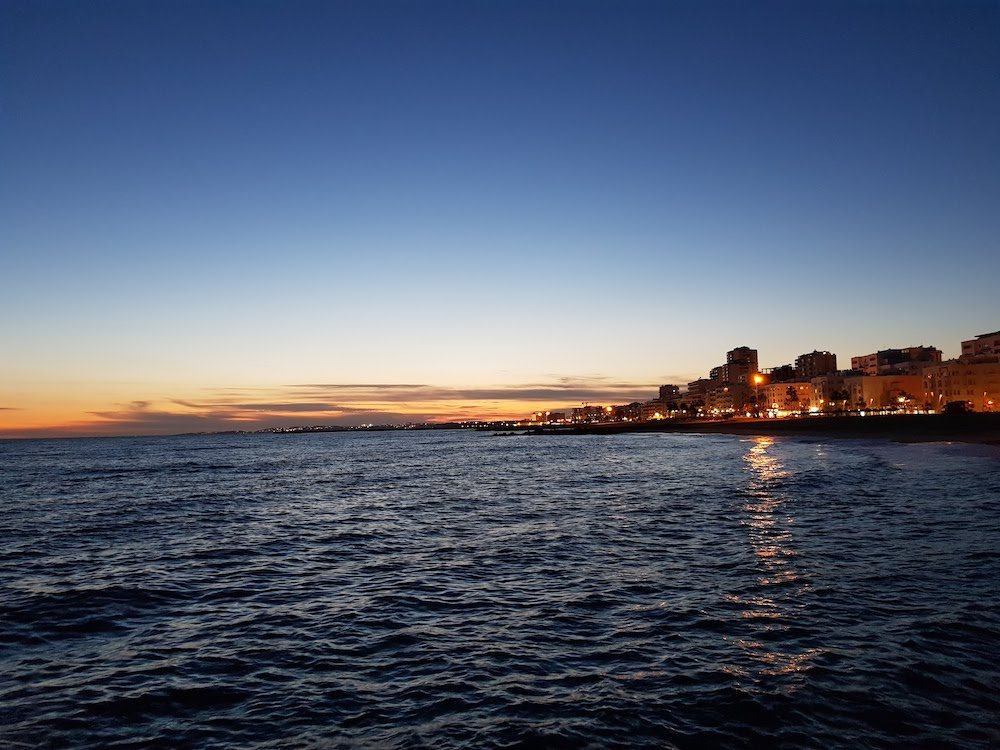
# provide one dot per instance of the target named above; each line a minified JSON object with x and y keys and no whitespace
{"x":982,"y":428}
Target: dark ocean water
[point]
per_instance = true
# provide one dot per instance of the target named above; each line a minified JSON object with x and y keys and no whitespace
{"x":455,"y":589}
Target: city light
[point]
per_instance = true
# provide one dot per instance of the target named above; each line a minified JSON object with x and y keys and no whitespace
{"x":912,"y":380}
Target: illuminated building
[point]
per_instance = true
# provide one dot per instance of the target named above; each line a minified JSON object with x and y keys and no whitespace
{"x":786,"y":397}
{"x":727,"y":398}
{"x":588,"y":414}
{"x":827,"y":392}
{"x":694,"y":397}
{"x":886,"y":392}
{"x":628,"y":412}
{"x":541,"y":417}
{"x":977,"y":384}
{"x":854,"y":391}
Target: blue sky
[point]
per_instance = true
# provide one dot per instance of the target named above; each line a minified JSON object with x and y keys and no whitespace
{"x":479,"y":194}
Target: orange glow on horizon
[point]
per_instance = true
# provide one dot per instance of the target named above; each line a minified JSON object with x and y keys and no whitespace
{"x":80,"y":417}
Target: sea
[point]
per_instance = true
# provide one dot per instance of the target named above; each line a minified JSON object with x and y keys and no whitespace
{"x":461,"y":589}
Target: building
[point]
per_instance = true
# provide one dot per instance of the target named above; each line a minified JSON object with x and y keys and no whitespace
{"x":669,"y":393}
{"x":829,"y":392}
{"x":654,"y":409}
{"x":547,"y":417}
{"x":814,"y":364}
{"x":984,"y":344}
{"x":976,"y":384}
{"x":854,"y":391}
{"x":727,"y":398}
{"x":780,"y":374}
{"x":911,"y":360}
{"x":589,"y":414}
{"x":693,"y":399}
{"x":787,"y":397}
{"x":885,"y":392}
{"x":741,"y":364}
{"x":627,"y":412}
{"x":698,"y":388}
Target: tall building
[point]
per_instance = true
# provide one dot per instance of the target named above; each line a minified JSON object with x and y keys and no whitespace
{"x":814,"y":364}
{"x":741,"y":363}
{"x":894,"y":361}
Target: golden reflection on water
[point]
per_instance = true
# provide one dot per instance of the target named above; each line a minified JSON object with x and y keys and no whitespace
{"x":769,"y":530}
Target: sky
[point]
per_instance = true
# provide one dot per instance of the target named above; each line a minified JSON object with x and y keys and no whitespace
{"x":232,"y":215}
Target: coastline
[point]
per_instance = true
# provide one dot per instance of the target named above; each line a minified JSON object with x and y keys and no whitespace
{"x":976,"y":428}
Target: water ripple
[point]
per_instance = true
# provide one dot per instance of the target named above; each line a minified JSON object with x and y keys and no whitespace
{"x":448,"y":590}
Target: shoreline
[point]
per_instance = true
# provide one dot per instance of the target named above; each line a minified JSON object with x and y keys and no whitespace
{"x":983,"y":429}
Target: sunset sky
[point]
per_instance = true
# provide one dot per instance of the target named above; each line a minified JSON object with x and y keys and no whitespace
{"x":222,"y":215}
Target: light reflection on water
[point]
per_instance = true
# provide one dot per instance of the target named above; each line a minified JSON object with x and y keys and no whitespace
{"x":769,"y":527}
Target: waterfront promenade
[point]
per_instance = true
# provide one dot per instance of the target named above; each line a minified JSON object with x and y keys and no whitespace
{"x":916,"y":428}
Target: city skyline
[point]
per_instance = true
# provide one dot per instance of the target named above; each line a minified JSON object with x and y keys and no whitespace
{"x":250,"y":214}
{"x":387,"y":404}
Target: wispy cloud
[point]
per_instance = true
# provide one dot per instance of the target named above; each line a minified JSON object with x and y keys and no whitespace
{"x":223,"y":407}
{"x":248,"y":408}
{"x":679,"y":379}
{"x":562,"y":390}
{"x":288,"y":406}
{"x":352,"y":386}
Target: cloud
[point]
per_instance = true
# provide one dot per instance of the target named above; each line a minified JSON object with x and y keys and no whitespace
{"x":222,"y":406}
{"x":10,"y":408}
{"x":564,"y":389}
{"x":139,"y":418}
{"x":295,"y":406}
{"x":578,"y":379}
{"x":223,"y":412}
{"x":563,"y":392}
{"x":252,"y":408}
{"x":349,"y":386}
{"x":680,"y":379}
{"x":144,"y":421}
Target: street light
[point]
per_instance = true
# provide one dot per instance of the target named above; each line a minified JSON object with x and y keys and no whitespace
{"x":757,"y":380}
